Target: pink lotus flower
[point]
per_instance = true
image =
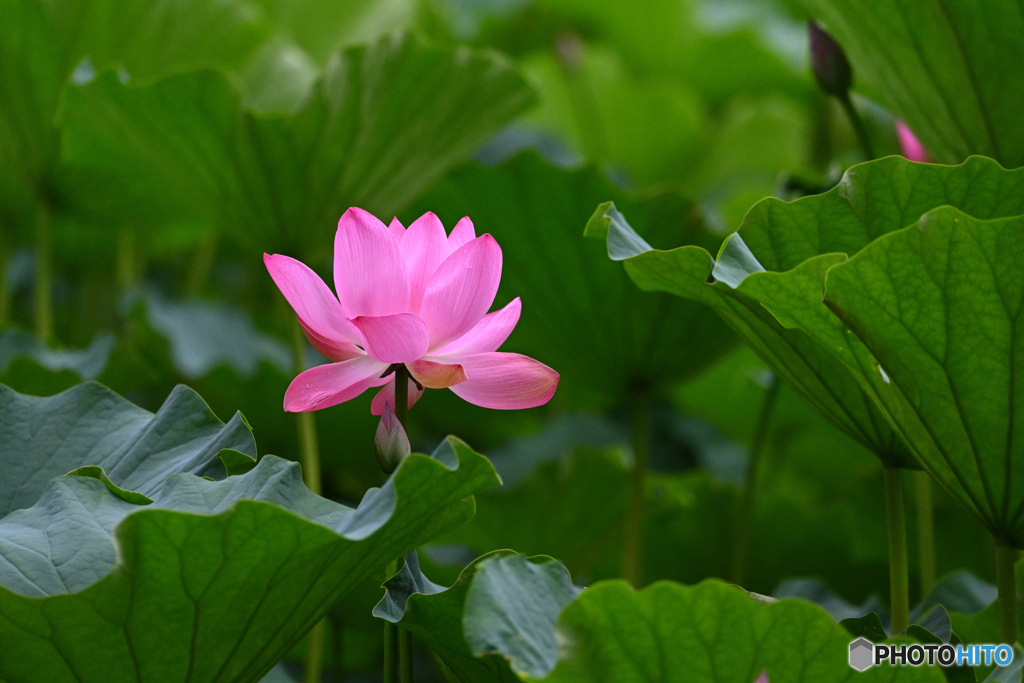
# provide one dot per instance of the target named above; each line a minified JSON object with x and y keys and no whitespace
{"x":911,"y":147}
{"x":416,"y":297}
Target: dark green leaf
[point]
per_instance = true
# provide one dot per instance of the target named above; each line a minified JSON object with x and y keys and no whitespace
{"x":708,"y":632}
{"x":580,"y":314}
{"x":213,"y":578}
{"x":89,"y":425}
{"x":939,"y":306}
{"x":951,"y":70}
{"x":770,"y":274}
{"x":381,"y":125}
{"x":503,"y":604}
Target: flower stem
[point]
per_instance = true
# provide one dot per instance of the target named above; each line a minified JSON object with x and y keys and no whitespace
{"x":858,"y":125}
{"x":632,"y":549}
{"x":899,"y":591}
{"x":390,"y":636}
{"x":309,"y":459}
{"x":1006,"y":581}
{"x":391,"y":631}
{"x":925,"y":530}
{"x":43,"y":292}
{"x":743,"y":526}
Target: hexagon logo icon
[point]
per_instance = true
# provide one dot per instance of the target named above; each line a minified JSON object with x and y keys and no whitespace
{"x":862,"y":654}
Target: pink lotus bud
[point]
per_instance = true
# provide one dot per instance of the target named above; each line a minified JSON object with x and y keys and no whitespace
{"x":911,"y":146}
{"x":828,"y":62}
{"x":390,"y":445}
{"x":763,"y":678}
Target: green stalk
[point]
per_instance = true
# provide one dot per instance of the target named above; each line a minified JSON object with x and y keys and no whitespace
{"x":858,"y":125}
{"x":43,"y":294}
{"x":633,"y":528}
{"x":5,"y":287}
{"x":390,"y":635}
{"x":743,"y":525}
{"x":899,"y":590}
{"x":127,"y":268}
{"x":202,"y":265}
{"x":394,"y":636}
{"x":401,"y":413}
{"x":309,"y":459}
{"x":1009,"y":628}
{"x":925,"y":530}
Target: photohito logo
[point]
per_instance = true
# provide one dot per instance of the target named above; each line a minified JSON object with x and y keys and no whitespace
{"x":864,"y":654}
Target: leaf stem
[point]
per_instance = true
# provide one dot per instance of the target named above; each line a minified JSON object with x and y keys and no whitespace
{"x":858,"y":125}
{"x":1006,"y":581}
{"x":309,"y":459}
{"x":127,"y":267}
{"x":640,"y":426}
{"x":743,"y":525}
{"x":925,"y":530}
{"x":43,"y":291}
{"x":899,"y":590}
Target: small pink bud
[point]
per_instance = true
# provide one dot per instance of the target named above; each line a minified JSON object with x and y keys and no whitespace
{"x":911,"y":146}
{"x":390,"y":444}
{"x":829,"y":63}
{"x":763,"y":678}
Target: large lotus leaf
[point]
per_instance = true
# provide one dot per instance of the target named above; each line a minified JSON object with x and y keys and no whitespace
{"x":609,"y":632}
{"x":42,"y":43}
{"x":939,"y":305}
{"x":384,"y":122}
{"x":709,"y":632}
{"x":213,"y":580}
{"x":768,"y":279}
{"x":502,"y":604}
{"x":91,"y":426}
{"x":570,"y":292}
{"x":950,"y":69}
{"x":30,"y":367}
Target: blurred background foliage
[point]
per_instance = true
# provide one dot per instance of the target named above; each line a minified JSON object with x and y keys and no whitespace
{"x":151,"y":152}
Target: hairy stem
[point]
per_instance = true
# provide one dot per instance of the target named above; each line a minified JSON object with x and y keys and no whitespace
{"x":925,"y":530}
{"x":43,"y":292}
{"x":743,"y":525}
{"x":309,"y":459}
{"x":1009,"y":628}
{"x":632,"y":570}
{"x":858,"y":126}
{"x":899,"y":591}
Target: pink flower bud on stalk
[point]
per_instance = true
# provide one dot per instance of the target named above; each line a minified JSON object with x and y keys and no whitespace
{"x":911,"y":147}
{"x":390,"y":445}
{"x":829,"y":63}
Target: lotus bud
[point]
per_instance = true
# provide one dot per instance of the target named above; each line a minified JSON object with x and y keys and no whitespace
{"x":390,"y":445}
{"x":828,"y":62}
{"x":911,"y":147}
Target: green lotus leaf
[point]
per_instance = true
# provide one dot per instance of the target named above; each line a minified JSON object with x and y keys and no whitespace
{"x":91,"y":426}
{"x":708,"y":632}
{"x":609,"y":632}
{"x":939,"y":306}
{"x":502,"y":604}
{"x":569,"y":289}
{"x":950,"y":70}
{"x":29,"y":366}
{"x":769,"y":275}
{"x":384,"y":122}
{"x":212,"y":580}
